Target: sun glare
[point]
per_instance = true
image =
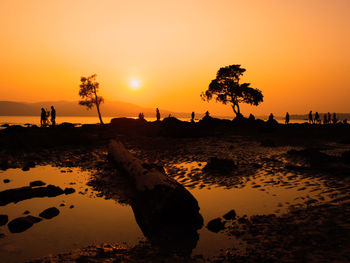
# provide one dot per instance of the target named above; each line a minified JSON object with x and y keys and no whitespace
{"x":134,"y":84}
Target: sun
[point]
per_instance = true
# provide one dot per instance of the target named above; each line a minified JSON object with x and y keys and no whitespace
{"x":134,"y":84}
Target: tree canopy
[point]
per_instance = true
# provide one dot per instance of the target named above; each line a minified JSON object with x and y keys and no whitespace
{"x":88,"y":92}
{"x":225,"y":88}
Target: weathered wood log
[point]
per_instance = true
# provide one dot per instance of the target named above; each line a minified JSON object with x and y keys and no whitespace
{"x":166,"y":212}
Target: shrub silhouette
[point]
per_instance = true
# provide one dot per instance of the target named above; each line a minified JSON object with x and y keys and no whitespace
{"x":88,"y":92}
{"x":227,"y":89}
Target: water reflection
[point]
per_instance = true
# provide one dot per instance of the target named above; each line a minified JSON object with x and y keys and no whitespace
{"x":169,"y":218}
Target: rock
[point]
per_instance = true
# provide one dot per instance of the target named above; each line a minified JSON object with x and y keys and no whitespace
{"x":24,"y":193}
{"x":6,"y":181}
{"x":3,"y":219}
{"x":49,"y":213}
{"x":62,"y":205}
{"x":21,"y":224}
{"x":36,"y":183}
{"x":220,"y":164}
{"x":26,"y":212}
{"x":314,"y":156}
{"x":68,"y":191}
{"x":230,"y":215}
{"x":72,"y":206}
{"x":27,"y":165}
{"x":216,"y":225}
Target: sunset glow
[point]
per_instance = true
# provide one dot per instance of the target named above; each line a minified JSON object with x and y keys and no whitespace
{"x":295,"y":52}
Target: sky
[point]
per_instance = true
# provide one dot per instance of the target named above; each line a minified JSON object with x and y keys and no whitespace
{"x":160,"y":53}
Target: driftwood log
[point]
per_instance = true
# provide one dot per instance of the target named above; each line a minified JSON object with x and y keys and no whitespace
{"x":166,"y":212}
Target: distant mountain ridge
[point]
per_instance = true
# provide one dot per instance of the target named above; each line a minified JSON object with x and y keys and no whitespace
{"x":72,"y":108}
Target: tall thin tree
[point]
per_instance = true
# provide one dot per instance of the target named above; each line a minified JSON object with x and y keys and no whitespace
{"x":88,"y":92}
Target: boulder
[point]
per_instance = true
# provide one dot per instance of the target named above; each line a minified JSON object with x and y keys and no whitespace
{"x":49,"y":213}
{"x":6,"y":181}
{"x":21,"y":224}
{"x":216,"y":225}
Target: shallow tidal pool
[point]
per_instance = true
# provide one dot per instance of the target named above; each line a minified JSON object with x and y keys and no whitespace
{"x":86,"y":218}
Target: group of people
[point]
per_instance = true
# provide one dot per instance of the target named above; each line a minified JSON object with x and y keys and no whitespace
{"x":45,"y":114}
{"x":327,"y":119}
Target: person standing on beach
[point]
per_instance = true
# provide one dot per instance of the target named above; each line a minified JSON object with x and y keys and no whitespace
{"x":325,"y":119}
{"x":334,"y":118}
{"x":310,"y":117}
{"x":192,"y":116}
{"x":53,"y":116}
{"x":317,"y":118}
{"x":43,"y":118}
{"x":329,"y":117}
{"x":287,"y":118}
{"x":158,"y":114}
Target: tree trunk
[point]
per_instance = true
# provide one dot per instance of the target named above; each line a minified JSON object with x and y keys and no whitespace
{"x":237,"y":112}
{"x":98,"y":108}
{"x":99,"y":113}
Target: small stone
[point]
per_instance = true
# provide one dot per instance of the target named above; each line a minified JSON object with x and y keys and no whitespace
{"x":26,"y":212}
{"x":230,"y":215}
{"x":68,"y":191}
{"x":21,"y":224}
{"x":216,"y":225}
{"x":25,"y":168}
{"x":6,"y":181}
{"x":49,"y":213}
{"x":62,"y":204}
{"x":36,"y":183}
{"x":72,"y":206}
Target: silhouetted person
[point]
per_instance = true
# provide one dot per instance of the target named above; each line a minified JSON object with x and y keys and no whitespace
{"x":325,"y":119}
{"x":329,"y":117}
{"x":317,"y":117}
{"x":345,"y":121}
{"x":192,"y":116}
{"x":271,"y":117}
{"x":287,"y":118}
{"x":158,"y":114}
{"x":310,"y":117}
{"x":43,"y":118}
{"x":53,"y":116}
{"x":334,"y":118}
{"x":141,"y":116}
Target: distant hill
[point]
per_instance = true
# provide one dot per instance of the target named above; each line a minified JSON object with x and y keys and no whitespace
{"x":72,"y":108}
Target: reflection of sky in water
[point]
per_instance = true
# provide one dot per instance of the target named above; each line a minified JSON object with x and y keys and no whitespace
{"x":94,"y":220}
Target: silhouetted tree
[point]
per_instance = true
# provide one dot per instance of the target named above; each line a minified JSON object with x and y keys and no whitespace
{"x":88,"y":92}
{"x":227,"y":89}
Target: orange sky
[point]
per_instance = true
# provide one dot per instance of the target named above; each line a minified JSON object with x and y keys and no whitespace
{"x":296,"y":52}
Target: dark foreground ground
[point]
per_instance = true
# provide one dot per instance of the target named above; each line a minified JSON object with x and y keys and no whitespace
{"x":318,"y":231}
